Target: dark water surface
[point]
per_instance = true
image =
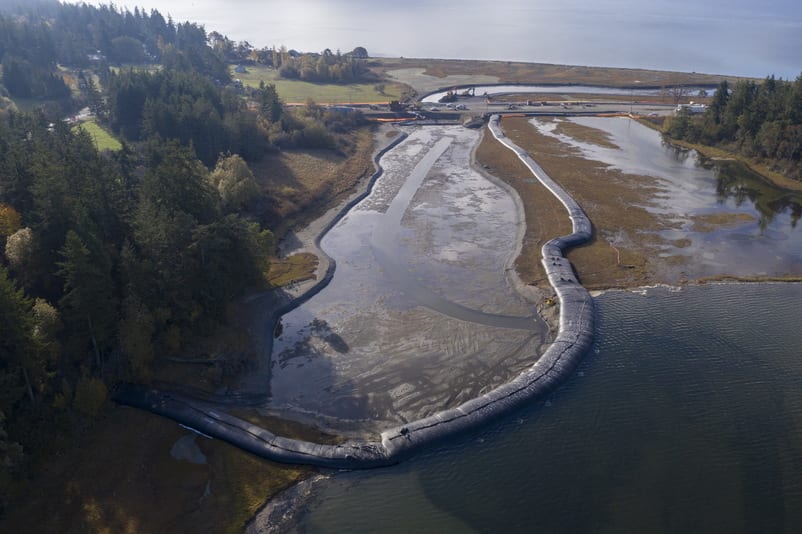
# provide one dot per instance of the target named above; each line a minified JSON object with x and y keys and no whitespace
{"x":686,"y":417}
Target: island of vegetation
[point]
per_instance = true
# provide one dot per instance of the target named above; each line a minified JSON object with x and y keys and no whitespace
{"x":147,"y":171}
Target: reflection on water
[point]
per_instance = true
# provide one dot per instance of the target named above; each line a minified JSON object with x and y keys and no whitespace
{"x":686,"y":418}
{"x":740,"y":184}
{"x":725,"y":219}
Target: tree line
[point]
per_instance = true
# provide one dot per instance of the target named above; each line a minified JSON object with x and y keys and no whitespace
{"x":36,"y":38}
{"x":326,"y":67}
{"x":759,"y":120}
{"x":192,"y":108}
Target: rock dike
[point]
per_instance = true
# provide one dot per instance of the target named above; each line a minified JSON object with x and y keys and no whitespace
{"x":573,"y":340}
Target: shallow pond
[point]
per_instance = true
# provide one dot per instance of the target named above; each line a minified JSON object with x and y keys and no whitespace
{"x":725,"y":219}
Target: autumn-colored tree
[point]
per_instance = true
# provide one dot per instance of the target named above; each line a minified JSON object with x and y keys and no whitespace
{"x":10,"y":220}
{"x":234,"y":182}
{"x":19,"y":248}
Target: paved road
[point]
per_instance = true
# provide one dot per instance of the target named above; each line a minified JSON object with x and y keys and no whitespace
{"x":479,"y":106}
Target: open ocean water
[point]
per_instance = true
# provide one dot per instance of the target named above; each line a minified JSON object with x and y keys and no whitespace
{"x":735,"y":37}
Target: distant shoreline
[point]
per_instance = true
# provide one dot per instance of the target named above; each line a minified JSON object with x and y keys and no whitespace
{"x":426,"y":76}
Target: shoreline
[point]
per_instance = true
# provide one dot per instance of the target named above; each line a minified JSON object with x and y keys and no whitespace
{"x":720,"y":154}
{"x":283,"y":509}
{"x":532,"y":293}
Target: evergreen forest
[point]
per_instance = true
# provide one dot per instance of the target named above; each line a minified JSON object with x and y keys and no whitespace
{"x":762,"y":121}
{"x":112,"y":261}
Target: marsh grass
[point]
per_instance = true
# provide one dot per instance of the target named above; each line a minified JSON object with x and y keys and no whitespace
{"x":542,"y":73}
{"x":295,"y":268}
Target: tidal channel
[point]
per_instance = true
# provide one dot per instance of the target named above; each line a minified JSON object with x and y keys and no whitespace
{"x":422,"y":313}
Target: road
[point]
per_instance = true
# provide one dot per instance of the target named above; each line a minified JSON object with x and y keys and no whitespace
{"x":478,"y":105}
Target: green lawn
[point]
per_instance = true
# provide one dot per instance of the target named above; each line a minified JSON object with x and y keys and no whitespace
{"x":295,"y":91}
{"x":136,"y":67}
{"x":103,"y":139}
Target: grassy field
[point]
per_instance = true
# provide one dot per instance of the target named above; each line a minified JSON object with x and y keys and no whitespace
{"x":296,"y":268}
{"x":302,"y":184}
{"x":103,"y":139}
{"x":296,"y":91}
{"x":517,"y":72}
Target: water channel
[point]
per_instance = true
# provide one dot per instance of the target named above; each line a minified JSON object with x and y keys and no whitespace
{"x":685,"y":417}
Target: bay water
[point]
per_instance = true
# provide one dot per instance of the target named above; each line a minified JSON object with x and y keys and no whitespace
{"x":685,"y":417}
{"x":741,"y":37}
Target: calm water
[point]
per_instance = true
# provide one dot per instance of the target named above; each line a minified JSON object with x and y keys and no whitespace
{"x":725,"y":219}
{"x":687,"y":417}
{"x":715,"y":36}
